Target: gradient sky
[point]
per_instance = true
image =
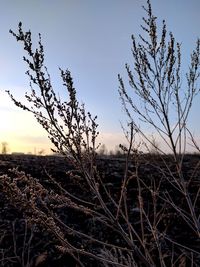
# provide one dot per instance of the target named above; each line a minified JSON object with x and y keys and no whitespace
{"x":92,"y":39}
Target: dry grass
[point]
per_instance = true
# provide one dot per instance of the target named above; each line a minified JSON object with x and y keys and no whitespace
{"x":152,"y":218}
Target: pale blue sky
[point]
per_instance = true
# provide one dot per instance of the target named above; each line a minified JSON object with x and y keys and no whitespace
{"x":92,"y":39}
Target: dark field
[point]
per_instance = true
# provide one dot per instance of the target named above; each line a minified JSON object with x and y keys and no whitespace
{"x":25,"y":244}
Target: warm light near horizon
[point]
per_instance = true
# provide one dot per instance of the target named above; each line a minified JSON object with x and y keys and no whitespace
{"x":23,"y":134}
{"x":20,"y":129}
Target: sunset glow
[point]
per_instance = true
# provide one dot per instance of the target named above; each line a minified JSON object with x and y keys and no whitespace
{"x":93,"y":40}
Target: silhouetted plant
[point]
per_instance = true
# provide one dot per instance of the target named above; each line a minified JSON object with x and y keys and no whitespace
{"x":137,"y":219}
{"x":4,"y":149}
{"x":71,"y":129}
{"x":160,"y":98}
{"x":73,"y":132}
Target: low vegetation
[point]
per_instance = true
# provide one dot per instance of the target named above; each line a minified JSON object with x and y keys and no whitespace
{"x":138,"y":210}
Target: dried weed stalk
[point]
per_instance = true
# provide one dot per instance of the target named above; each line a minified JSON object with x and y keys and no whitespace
{"x":138,"y":218}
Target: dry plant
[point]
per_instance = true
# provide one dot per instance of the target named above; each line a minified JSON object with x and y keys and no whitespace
{"x":135,"y":225}
{"x":21,"y":249}
{"x":161,"y":100}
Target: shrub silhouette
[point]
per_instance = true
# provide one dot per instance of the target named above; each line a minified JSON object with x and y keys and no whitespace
{"x":152,"y":219}
{"x":4,"y":149}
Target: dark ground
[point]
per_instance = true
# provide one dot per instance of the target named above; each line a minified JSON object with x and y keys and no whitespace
{"x":14,"y":231}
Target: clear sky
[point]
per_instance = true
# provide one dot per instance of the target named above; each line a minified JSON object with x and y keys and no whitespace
{"x":92,"y":39}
